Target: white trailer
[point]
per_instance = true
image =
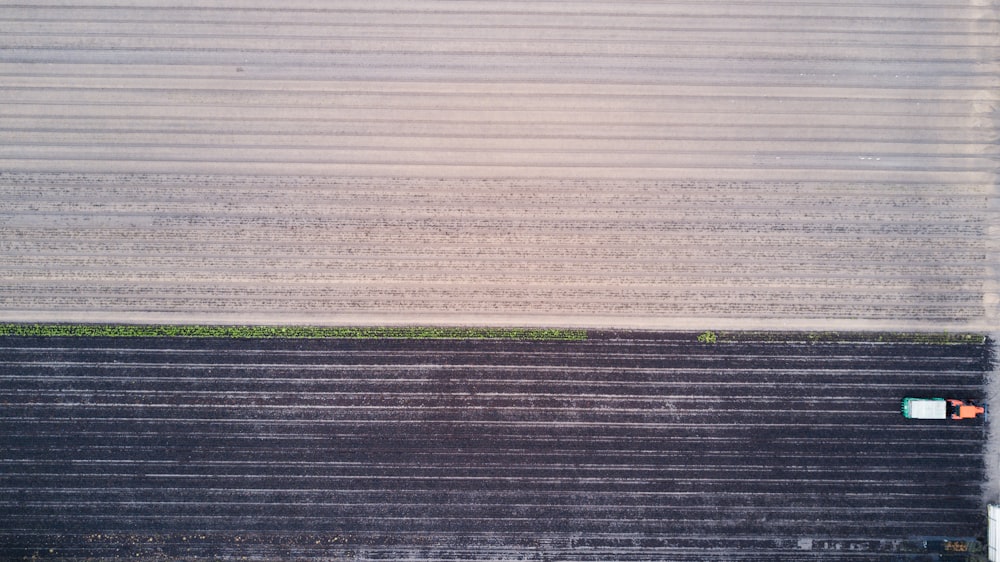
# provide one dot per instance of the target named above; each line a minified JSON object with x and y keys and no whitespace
{"x":939,"y":409}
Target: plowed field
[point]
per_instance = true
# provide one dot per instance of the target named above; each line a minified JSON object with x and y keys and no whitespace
{"x":633,"y":164}
{"x":624,"y":446}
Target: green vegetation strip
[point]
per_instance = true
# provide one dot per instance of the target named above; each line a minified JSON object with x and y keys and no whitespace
{"x":937,"y":338}
{"x":183,"y":331}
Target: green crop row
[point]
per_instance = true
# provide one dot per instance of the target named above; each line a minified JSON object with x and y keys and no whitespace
{"x":185,"y":331}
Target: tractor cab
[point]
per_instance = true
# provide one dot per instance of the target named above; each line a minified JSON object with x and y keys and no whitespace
{"x":961,"y":411}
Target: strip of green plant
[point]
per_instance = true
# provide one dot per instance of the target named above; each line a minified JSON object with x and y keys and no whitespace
{"x":937,"y":338}
{"x":197,"y":331}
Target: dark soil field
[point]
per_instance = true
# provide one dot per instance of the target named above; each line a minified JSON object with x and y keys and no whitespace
{"x":626,"y":446}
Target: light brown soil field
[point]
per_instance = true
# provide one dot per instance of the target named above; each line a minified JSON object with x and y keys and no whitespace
{"x":677,"y":165}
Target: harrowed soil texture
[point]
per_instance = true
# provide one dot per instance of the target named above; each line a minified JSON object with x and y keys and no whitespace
{"x":626,"y":446}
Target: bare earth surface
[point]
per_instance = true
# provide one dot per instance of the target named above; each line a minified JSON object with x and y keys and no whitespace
{"x":627,"y":446}
{"x":671,"y":165}
{"x":732,"y":165}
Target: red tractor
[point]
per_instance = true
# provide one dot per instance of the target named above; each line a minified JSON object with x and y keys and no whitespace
{"x":940,"y":409}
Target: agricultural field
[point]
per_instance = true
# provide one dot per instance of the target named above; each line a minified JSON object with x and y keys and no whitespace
{"x":204,"y":204}
{"x":620,"y":445}
{"x":575,"y":163}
